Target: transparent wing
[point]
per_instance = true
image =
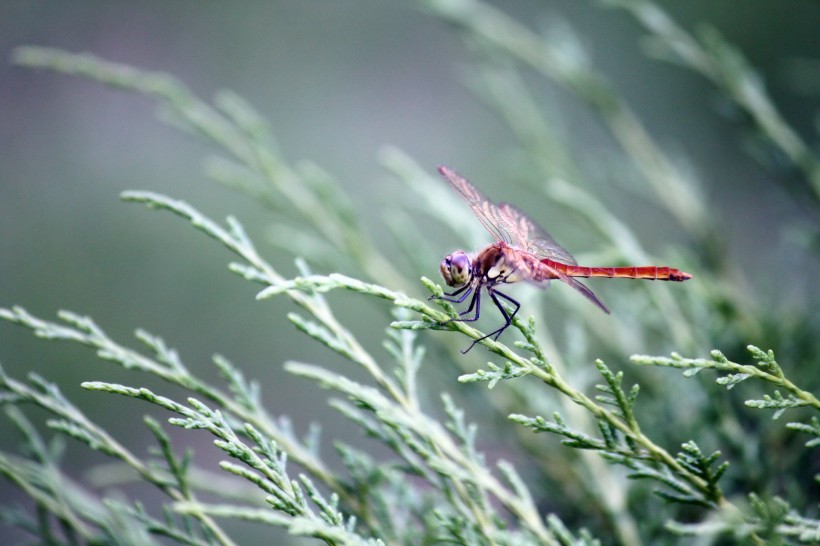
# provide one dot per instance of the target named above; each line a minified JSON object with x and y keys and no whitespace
{"x":507,"y":223}
{"x":485,"y":210}
{"x":533,"y":238}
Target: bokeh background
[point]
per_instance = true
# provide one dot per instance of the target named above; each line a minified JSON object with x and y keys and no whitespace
{"x":338,"y":82}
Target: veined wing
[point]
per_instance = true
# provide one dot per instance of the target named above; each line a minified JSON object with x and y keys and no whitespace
{"x":533,"y":238}
{"x":507,"y":223}
{"x":540,"y":272}
{"x":583,"y":289}
{"x":487,"y":212}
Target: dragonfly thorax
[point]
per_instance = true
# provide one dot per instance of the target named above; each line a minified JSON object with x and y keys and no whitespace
{"x":456,"y":269}
{"x":499,"y":263}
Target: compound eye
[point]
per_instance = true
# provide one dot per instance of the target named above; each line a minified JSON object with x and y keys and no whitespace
{"x":455,"y":269}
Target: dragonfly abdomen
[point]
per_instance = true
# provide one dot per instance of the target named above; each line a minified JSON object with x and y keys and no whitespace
{"x":650,"y":272}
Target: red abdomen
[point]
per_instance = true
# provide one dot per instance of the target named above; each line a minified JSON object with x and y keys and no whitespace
{"x":650,"y":272}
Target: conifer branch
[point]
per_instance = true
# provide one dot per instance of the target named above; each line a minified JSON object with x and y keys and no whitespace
{"x":764,"y":368}
{"x":724,"y":65}
{"x":438,"y":485}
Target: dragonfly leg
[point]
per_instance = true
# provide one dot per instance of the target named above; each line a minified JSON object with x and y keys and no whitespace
{"x":451,"y":297}
{"x":507,"y":317}
{"x":474,"y":303}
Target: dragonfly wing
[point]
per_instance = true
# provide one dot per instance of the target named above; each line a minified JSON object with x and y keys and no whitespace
{"x":540,"y":274}
{"x":487,"y":212}
{"x":507,"y":223}
{"x":582,"y":288}
{"x":533,"y":238}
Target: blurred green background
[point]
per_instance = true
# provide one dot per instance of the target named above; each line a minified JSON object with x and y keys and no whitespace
{"x":338,"y":81}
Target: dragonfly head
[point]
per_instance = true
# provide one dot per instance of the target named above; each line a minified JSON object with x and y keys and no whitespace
{"x":456,"y":268}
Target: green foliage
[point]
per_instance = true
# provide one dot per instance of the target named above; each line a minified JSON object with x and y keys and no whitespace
{"x":439,"y":482}
{"x":687,"y":477}
{"x":765,"y":368}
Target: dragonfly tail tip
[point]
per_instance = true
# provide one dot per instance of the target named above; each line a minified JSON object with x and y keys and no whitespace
{"x":681,"y":276}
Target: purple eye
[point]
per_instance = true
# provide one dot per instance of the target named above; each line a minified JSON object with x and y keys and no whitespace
{"x":455,"y":269}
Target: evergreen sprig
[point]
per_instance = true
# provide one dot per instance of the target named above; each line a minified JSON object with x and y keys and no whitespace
{"x":764,"y":368}
{"x":439,"y":485}
{"x":445,"y":456}
{"x":709,"y":54}
{"x":687,"y":477}
{"x":774,"y":521}
{"x":812,"y":428}
{"x":80,"y":514}
{"x":430,"y":451}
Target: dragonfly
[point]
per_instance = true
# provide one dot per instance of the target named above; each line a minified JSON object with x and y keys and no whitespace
{"x":522,"y":251}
